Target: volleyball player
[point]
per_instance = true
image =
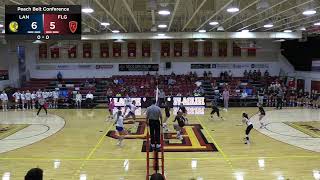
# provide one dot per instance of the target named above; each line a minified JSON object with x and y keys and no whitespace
{"x":261,"y":115}
{"x":16,"y":96}
{"x":245,"y":119}
{"x":127,"y":102}
{"x":120,"y":128}
{"x":132,"y":109}
{"x":33,"y":99}
{"x":23,"y":100}
{"x":111,"y":106}
{"x":181,"y":123}
{"x":167,"y":112}
{"x":28,"y":99}
{"x":55,"y":95}
{"x":4,"y":101}
{"x":215,"y":109}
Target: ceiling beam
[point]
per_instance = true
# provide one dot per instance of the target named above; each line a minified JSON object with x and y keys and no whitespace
{"x":153,"y":18}
{"x":213,"y":15}
{"x":194,"y":14}
{"x":110,"y":15}
{"x":131,"y":14}
{"x":291,"y":27}
{"x":242,"y":9}
{"x":15,"y":2}
{"x":90,"y":27}
{"x":276,"y":14}
{"x":255,"y":14}
{"x":173,"y":13}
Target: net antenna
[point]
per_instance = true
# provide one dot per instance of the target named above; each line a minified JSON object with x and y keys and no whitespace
{"x":157,"y":95}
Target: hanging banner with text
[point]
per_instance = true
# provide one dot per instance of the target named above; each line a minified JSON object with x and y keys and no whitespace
{"x":87,"y":50}
{"x":72,"y":52}
{"x":165,"y":49}
{"x":55,"y":52}
{"x":138,"y":67}
{"x":177,"y":46}
{"x":193,"y":49}
{"x":207,"y":48}
{"x":43,"y":54}
{"x":116,"y":49}
{"x":132,"y":48}
{"x":146,"y":49}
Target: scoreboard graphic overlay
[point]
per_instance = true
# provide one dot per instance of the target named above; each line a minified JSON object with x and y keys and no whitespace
{"x":32,"y":22}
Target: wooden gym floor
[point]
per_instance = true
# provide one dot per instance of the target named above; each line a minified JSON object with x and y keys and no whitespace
{"x":76,"y":147}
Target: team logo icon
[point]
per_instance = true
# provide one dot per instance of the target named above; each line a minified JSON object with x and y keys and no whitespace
{"x":13,"y":26}
{"x":73,"y":25}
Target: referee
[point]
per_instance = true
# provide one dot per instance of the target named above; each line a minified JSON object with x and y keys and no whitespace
{"x":153,"y":119}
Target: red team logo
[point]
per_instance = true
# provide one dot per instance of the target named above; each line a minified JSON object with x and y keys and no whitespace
{"x":73,"y":25}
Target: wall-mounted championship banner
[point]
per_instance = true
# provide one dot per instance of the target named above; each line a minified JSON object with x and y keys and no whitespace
{"x":138,"y":67}
{"x":54,"y":52}
{"x":87,"y":50}
{"x":72,"y":52}
{"x":177,"y":48}
{"x":193,"y":49}
{"x":43,"y":53}
{"x":146,"y":49}
{"x":116,"y":49}
{"x":104,"y":50}
{"x":207,"y":48}
{"x":223,"y":48}
{"x":165,"y":49}
{"x":132,"y":49}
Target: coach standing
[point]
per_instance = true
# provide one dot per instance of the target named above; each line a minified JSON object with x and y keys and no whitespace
{"x":153,"y":119}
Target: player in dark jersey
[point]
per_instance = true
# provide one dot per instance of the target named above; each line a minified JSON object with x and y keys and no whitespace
{"x":215,"y":109}
{"x":261,"y":115}
{"x":181,"y":123}
{"x":183,"y":109}
{"x":167,"y":112}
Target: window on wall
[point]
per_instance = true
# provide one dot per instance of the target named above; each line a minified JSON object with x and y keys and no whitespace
{"x":223,"y":48}
{"x":236,"y":50}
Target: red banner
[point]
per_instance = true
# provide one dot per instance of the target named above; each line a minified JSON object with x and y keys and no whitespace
{"x":43,"y":53}
{"x":193,"y":49}
{"x":252,"y":52}
{"x":72,"y":52}
{"x":55,"y":52}
{"x":116,"y":49}
{"x":223,"y":49}
{"x":104,"y":50}
{"x":146,"y":49}
{"x":165,"y":49}
{"x":207,"y":48}
{"x":177,"y":48}
{"x":236,"y":50}
{"x":132,"y":49}
{"x":87,"y":50}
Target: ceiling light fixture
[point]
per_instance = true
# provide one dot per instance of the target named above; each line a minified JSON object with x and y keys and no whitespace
{"x":202,"y":31}
{"x":87,"y":10}
{"x":269,"y":25}
{"x":287,"y":31}
{"x":115,"y":31}
{"x":162,"y":26}
{"x":213,"y":23}
{"x":245,"y":30}
{"x":317,"y":24}
{"x":220,"y":28}
{"x":302,"y":29}
{"x":309,"y":12}
{"x":104,"y":24}
{"x":161,"y":34}
{"x":233,"y":9}
{"x":1,"y":25}
{"x":164,"y":12}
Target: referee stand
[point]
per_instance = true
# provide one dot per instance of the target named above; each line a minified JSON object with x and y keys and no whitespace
{"x":155,"y":157}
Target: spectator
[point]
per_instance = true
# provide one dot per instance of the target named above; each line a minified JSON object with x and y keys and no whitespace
{"x":254,"y":74}
{"x":34,"y":174}
{"x":250,"y":74}
{"x":266,"y":73}
{"x":243,"y":98}
{"x":89,"y":99}
{"x":259,"y":74}
{"x":120,"y":81}
{"x":205,"y":74}
{"x":245,"y":74}
{"x":210,"y":74}
{"x":230,"y":74}
{"x":222,"y":75}
{"x":109,"y":92}
{"x":118,"y":94}
{"x":171,"y":81}
{"x":173,"y":74}
{"x":116,"y":82}
{"x":226,"y":96}
{"x":59,"y":76}
{"x":179,"y":94}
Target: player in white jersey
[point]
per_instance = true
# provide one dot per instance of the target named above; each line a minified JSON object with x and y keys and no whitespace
{"x":49,"y":99}
{"x":245,"y":119}
{"x":4,"y":100}
{"x":23,"y":100}
{"x":39,"y":93}
{"x":120,"y":127}
{"x":16,"y":96}
{"x":132,"y":109}
{"x":78,"y":100}
{"x":28,"y":99}
{"x":33,"y":99}
{"x":55,"y":95}
{"x":127,"y":102}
